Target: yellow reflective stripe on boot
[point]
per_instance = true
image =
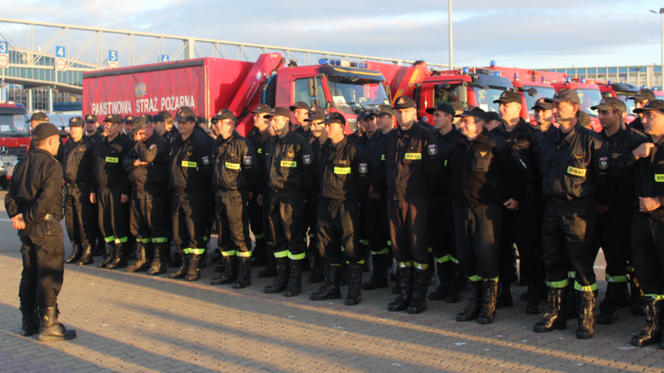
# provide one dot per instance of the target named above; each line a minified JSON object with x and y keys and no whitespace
{"x":571,"y":274}
{"x":422,"y":266}
{"x":259,"y":236}
{"x":610,"y":278}
{"x":281,"y":254}
{"x":270,"y":243}
{"x":198,"y":251}
{"x":382,"y":252}
{"x":475,"y":278}
{"x":144,"y":240}
{"x":405,"y":264}
{"x":630,"y":269}
{"x":389,"y":243}
{"x":335,"y":264}
{"x":187,"y":250}
{"x":495,"y":279}
{"x":444,"y":259}
{"x":297,"y":256}
{"x":655,"y":296}
{"x":244,"y":254}
{"x":454,"y":260}
{"x":364,"y":242}
{"x":159,"y":239}
{"x":558,"y":284}
{"x":429,"y":250}
{"x":359,"y":262}
{"x":109,"y":239}
{"x":579,"y":287}
{"x":343,"y":249}
{"x":122,"y":240}
{"x":229,"y":253}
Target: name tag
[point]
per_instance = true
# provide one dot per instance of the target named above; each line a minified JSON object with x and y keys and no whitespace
{"x":189,"y":164}
{"x":288,"y":163}
{"x":659,"y":178}
{"x":413,"y":156}
{"x":232,"y":166}
{"x":112,"y":160}
{"x":576,"y":171}
{"x":342,"y":170}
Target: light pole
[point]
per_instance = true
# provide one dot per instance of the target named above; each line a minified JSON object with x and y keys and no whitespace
{"x":449,"y":11}
{"x":661,"y":74}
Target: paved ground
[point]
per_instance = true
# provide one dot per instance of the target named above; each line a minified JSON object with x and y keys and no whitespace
{"x":135,"y":323}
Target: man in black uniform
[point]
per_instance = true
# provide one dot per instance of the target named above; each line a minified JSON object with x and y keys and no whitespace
{"x":366,"y":128}
{"x":574,"y":166}
{"x":34,"y":203}
{"x":543,"y":115}
{"x":640,"y":101}
{"x":301,"y":112}
{"x":79,"y":155}
{"x":160,"y":127}
{"x":441,"y":210}
{"x":344,"y":180}
{"x":128,"y":126}
{"x":190,"y":172}
{"x":110,"y":186}
{"x":289,"y":174}
{"x":235,"y":177}
{"x":95,"y":133}
{"x":37,"y":119}
{"x":484,"y":175}
{"x":317,"y":129}
{"x":412,"y":174}
{"x":147,"y":168}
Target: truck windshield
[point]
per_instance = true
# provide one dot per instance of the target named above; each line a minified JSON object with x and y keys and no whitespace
{"x":353,"y":96}
{"x":589,"y":97}
{"x":13,"y":123}
{"x":546,"y":92}
{"x":486,"y":97}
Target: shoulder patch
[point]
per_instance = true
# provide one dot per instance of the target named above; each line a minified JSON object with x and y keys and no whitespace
{"x":604,"y":163}
{"x":306,"y":159}
{"x":152,"y":146}
{"x":433,"y":150}
{"x":247,"y":160}
{"x":364,"y":168}
{"x":206,"y":160}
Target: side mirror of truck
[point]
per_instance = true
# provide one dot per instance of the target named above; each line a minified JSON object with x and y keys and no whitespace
{"x":532,"y":92}
{"x":462,"y":94}
{"x":313,"y":87}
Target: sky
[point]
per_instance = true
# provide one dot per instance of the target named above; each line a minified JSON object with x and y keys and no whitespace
{"x":523,"y":33}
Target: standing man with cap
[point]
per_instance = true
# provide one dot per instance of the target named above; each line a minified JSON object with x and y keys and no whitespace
{"x":37,"y":119}
{"x":91,"y":126}
{"x":344,"y":180}
{"x":574,"y":167}
{"x":412,"y":175}
{"x":128,"y":126}
{"x":290,"y":174}
{"x":111,"y":187}
{"x":34,"y":203}
{"x":301,"y":112}
{"x":80,"y":219}
{"x":366,"y":128}
{"x":95,"y":133}
{"x":640,"y":101}
{"x":235,"y":179}
{"x":317,"y":129}
{"x":543,"y":115}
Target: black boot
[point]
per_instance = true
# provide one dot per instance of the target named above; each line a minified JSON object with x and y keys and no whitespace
{"x":418,"y":301}
{"x":270,"y":268}
{"x":331,"y":288}
{"x":216,"y":257}
{"x":75,"y":254}
{"x":50,"y":330}
{"x":458,"y":284}
{"x":30,"y":322}
{"x":445,"y":277}
{"x":110,"y":254}
{"x":160,"y":259}
{"x":637,"y":303}
{"x":243,"y":274}
{"x":534,"y":306}
{"x":570,"y":304}
{"x":505,"y":294}
{"x":294,"y":286}
{"x":555,"y":318}
{"x":230,"y":271}
{"x":406,"y":285}
{"x":354,"y":284}
{"x":86,"y":257}
{"x":100,"y":247}
{"x":608,"y":309}
{"x":586,"y":304}
{"x":184,"y":267}
{"x":259,"y":255}
{"x":378,"y":279}
{"x":652,"y":332}
{"x":317,"y":270}
{"x":489,"y":300}
{"x":474,"y":305}
{"x":143,"y":263}
{"x":281,"y":279}
{"x":120,"y":259}
{"x":194,"y":270}
{"x":397,"y":287}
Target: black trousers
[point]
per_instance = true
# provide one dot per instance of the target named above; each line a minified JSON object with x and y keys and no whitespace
{"x":190,"y":221}
{"x":441,"y":229}
{"x":377,"y":223}
{"x":149,"y":212}
{"x":232,"y":218}
{"x":567,"y":237}
{"x":80,"y":215}
{"x":43,"y":253}
{"x":287,"y":226}
{"x":521,"y":227}
{"x":256,"y":219}
{"x":614,"y":239}
{"x":648,"y":253}
{"x":477,"y":231}
{"x":339,"y":231}
{"x":113,"y":215}
{"x":409,"y":231}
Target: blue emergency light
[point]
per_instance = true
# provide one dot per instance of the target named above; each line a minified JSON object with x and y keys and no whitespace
{"x":568,"y":79}
{"x":323,"y":61}
{"x":465,"y":70}
{"x":493,"y":63}
{"x":609,"y":82}
{"x":543,"y":80}
{"x":496,"y":73}
{"x":516,"y":77}
{"x":583,"y":80}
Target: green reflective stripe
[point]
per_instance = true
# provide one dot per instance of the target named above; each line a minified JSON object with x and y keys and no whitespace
{"x":159,"y":239}
{"x":630,"y":269}
{"x":259,"y":236}
{"x":205,"y":238}
{"x":405,"y":264}
{"x":229,"y":253}
{"x":475,"y":278}
{"x":364,"y":242}
{"x":281,"y":254}
{"x":343,"y":249}
{"x":187,"y":251}
{"x":571,"y":274}
{"x":454,"y":260}
{"x":382,"y":157}
{"x":359,"y":262}
{"x":335,"y":264}
{"x":297,"y":256}
{"x":580,"y":287}
{"x":270,"y":243}
{"x":558,"y":284}
{"x":259,"y":151}
{"x":655,"y":296}
{"x":144,"y":240}
{"x":444,"y":259}
{"x":495,"y":279}
{"x":304,"y":239}
{"x":382,"y":252}
{"x":199,"y":251}
{"x":122,"y":240}
{"x":610,"y":278}
{"x":109,"y":239}
{"x":430,"y":250}
{"x":422,"y":266}
{"x":244,"y":254}
{"x":389,"y":243}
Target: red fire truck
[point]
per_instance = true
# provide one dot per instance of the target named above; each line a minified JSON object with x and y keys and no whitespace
{"x":14,"y":138}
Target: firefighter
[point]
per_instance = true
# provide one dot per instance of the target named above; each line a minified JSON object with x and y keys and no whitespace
{"x":458,"y":109}
{"x":95,"y":133}
{"x":366,"y":122}
{"x":37,"y":119}
{"x":640,"y":101}
{"x":317,"y":129}
{"x":34,"y":203}
{"x":543,"y":115}
{"x":235,"y":179}
{"x":301,"y":112}
{"x":169,"y":124}
{"x":128,"y":126}
{"x":289,"y":173}
{"x":441,"y":210}
{"x":161,"y":125}
{"x":574,"y":165}
{"x":80,"y":219}
{"x":410,"y":154}
{"x":147,"y":168}
{"x":111,"y":187}
{"x":493,"y":121}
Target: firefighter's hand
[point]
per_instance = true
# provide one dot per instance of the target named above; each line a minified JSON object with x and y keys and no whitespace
{"x":138,"y":163}
{"x":251,"y":195}
{"x":259,"y":199}
{"x":93,"y":197}
{"x":649,"y":204}
{"x":601,"y":208}
{"x":124,"y":198}
{"x":511,"y":204}
{"x":373,"y":194}
{"x":18,"y":222}
{"x":643,"y":150}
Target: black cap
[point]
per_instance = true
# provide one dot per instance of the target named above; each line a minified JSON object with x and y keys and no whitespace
{"x":543,"y":104}
{"x":224,"y":114}
{"x":609,"y":103}
{"x":335,"y":118}
{"x":157,"y":118}
{"x":366,"y":114}
{"x":315,"y":107}
{"x":507,"y":97}
{"x":75,"y":122}
{"x":263,"y":109}
{"x":299,"y":105}
{"x":651,"y":106}
{"x":185,"y":114}
{"x":201,"y":120}
{"x":458,"y":106}
{"x":279,"y":111}
{"x":38,"y":116}
{"x":138,"y":123}
{"x":472,"y":111}
{"x":91,"y":118}
{"x":492,"y":115}
{"x":644,"y":94}
{"x":315,"y":115}
{"x":113,"y":118}
{"x":385,"y":110}
{"x":565,"y":95}
{"x":166,"y":115}
{"x":44,"y":131}
{"x":129,"y":119}
{"x":148,"y":118}
{"x":404,"y":102}
{"x":444,"y":107}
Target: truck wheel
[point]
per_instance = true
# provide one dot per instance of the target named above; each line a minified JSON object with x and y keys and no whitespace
{"x":270,"y":93}
{"x":4,"y":183}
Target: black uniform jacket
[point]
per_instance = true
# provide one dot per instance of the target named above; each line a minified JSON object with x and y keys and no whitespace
{"x":155,"y":151}
{"x":289,"y":165}
{"x":235,"y":166}
{"x":108,"y":171}
{"x":445,"y":144}
{"x":343,"y":171}
{"x":78,"y":160}
{"x":190,"y":162}
{"x":375,"y":150}
{"x":619,"y":190}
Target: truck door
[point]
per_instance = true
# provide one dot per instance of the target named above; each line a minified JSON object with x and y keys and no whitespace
{"x":309,"y":90}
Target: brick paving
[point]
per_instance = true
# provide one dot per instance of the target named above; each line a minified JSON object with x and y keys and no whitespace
{"x":136,"y":323}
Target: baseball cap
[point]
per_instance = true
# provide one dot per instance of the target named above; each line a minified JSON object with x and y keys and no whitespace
{"x":385,"y":110}
{"x":644,"y":94}
{"x":507,"y":97}
{"x":565,"y":95}
{"x":76,"y":122}
{"x":492,"y":115}
{"x":299,"y":105}
{"x":201,"y":120}
{"x":542,"y":104}
{"x":279,"y":111}
{"x":315,"y":115}
{"x":335,"y":118}
{"x":113,"y":118}
{"x":366,"y":114}
{"x":185,"y":114}
{"x":166,"y":115}
{"x":404,"y":102}
{"x":38,"y":116}
{"x":444,"y":107}
{"x":609,"y":103}
{"x":157,"y":118}
{"x":263,"y":109}
{"x":91,"y":118}
{"x":224,"y":114}
{"x":651,"y":106}
{"x":44,"y":131}
{"x":472,"y":111}
{"x":129,"y":119}
{"x":138,"y":123}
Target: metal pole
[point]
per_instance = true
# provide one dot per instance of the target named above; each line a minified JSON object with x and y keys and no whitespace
{"x":449,"y":12}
